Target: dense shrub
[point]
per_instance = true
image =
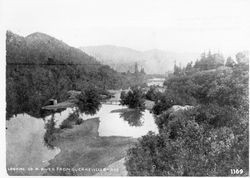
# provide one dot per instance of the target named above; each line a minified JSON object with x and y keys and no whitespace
{"x":166,"y":101}
{"x":152,"y":94}
{"x":208,"y":139}
{"x":134,"y":98}
{"x":66,"y":124}
{"x":79,"y":121}
{"x":89,"y":101}
{"x":71,"y":120}
{"x":186,"y":148}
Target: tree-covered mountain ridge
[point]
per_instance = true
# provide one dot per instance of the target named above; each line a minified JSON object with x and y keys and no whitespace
{"x":40,"y":46}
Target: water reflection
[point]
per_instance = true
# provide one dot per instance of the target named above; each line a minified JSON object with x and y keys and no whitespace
{"x":111,"y":123}
{"x":132,"y":116}
{"x":25,"y":145}
{"x":49,"y":136}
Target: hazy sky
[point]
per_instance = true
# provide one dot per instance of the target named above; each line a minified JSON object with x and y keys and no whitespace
{"x":176,"y":25}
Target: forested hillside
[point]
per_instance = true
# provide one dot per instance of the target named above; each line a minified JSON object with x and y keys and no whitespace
{"x":40,"y":67}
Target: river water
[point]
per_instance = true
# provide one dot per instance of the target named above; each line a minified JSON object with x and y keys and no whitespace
{"x":156,"y":81}
{"x":25,"y":147}
{"x":25,"y":142}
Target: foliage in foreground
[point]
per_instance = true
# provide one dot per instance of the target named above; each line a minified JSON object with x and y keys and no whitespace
{"x":73,"y":119}
{"x":209,"y":139}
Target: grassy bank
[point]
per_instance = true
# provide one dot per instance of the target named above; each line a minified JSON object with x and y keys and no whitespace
{"x":81,"y":147}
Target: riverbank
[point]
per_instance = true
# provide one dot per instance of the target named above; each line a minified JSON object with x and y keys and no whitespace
{"x":84,"y":150}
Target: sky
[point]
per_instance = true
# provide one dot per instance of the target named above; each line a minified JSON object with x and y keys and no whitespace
{"x":179,"y":25}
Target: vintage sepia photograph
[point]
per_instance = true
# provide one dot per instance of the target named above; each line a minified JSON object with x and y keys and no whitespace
{"x":126,"y":87}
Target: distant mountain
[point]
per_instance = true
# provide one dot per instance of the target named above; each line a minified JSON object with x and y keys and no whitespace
{"x":154,"y":61}
{"x":121,"y":59}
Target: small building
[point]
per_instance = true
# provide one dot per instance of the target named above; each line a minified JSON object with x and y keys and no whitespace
{"x":52,"y":102}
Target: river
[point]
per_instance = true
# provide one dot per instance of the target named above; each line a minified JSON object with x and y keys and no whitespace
{"x":25,"y":147}
{"x":25,"y":143}
{"x":156,"y":81}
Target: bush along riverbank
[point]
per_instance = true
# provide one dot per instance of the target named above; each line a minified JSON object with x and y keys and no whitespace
{"x":208,"y":139}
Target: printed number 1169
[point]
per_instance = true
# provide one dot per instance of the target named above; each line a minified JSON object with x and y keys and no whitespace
{"x":236,"y":171}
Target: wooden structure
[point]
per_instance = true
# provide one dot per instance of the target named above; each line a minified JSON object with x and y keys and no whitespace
{"x":62,"y":105}
{"x":111,"y":102}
